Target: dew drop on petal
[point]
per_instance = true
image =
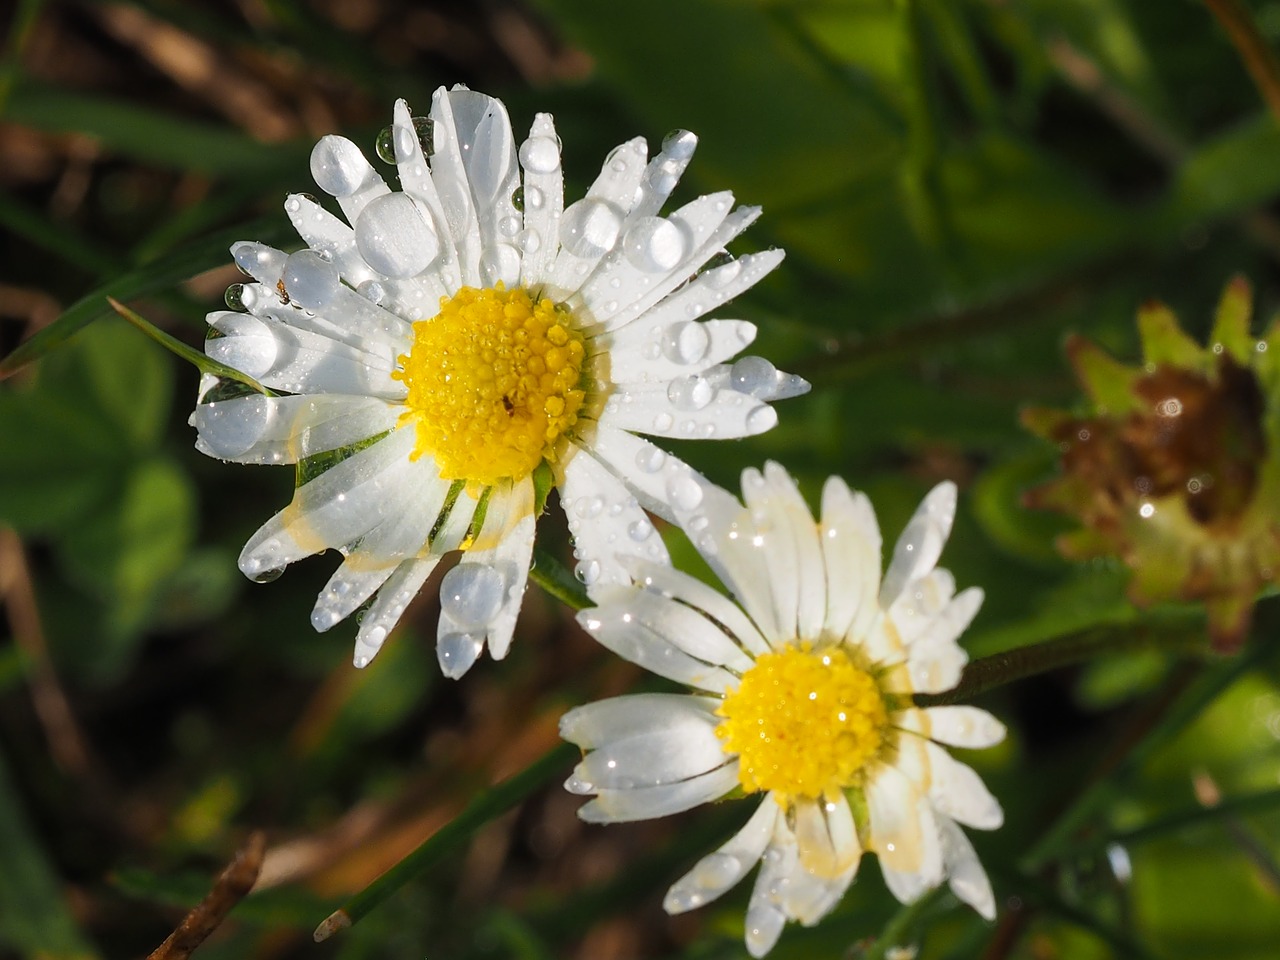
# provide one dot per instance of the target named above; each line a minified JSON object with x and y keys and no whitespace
{"x":679,"y":144}
{"x":234,"y":297}
{"x":372,"y":290}
{"x":533,"y":198}
{"x":690,"y":393}
{"x":395,"y":238}
{"x":471,"y":594}
{"x":650,"y":459}
{"x":589,"y":228}
{"x":385,"y":145}
{"x":267,"y":575}
{"x":337,"y":166}
{"x":456,"y":653}
{"x":754,"y":376}
{"x":684,"y":492}
{"x":640,"y":530}
{"x":529,"y":241}
{"x":654,"y":244}
{"x":310,"y":280}
{"x":540,"y":155}
{"x":686,"y":342}
{"x":587,"y":572}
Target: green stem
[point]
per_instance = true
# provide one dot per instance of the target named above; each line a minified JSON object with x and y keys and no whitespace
{"x":1178,"y":633}
{"x":490,"y":804}
{"x":556,"y":580}
{"x":1261,"y":802}
{"x":1259,"y":59}
{"x":897,"y":931}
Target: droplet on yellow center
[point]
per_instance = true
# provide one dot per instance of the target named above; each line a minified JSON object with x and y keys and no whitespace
{"x":493,"y":383}
{"x":803,"y":722}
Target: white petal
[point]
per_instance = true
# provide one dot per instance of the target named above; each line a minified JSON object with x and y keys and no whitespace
{"x":961,"y":726}
{"x":543,"y":201}
{"x":641,"y":353}
{"x":589,"y":229}
{"x":264,"y":263}
{"x":918,"y":604}
{"x":337,"y":507}
{"x":687,"y":629}
{"x":509,"y":556}
{"x":420,"y":297}
{"x":936,"y":668}
{"x":799,"y":581}
{"x":659,"y":480}
{"x":719,"y":872}
{"x":605,"y":520}
{"x":664,"y":172}
{"x":389,"y":606}
{"x":851,"y":554}
{"x":765,"y":914}
{"x":956,"y":790}
{"x":605,"y":721}
{"x":489,"y":155}
{"x":681,"y":750}
{"x":920,"y":545}
{"x":692,"y":591}
{"x":965,"y":876}
{"x":260,"y":429}
{"x":692,"y":407}
{"x":903,"y":834}
{"x":299,"y":361}
{"x":647,"y":803}
{"x":327,"y":234}
{"x":949,"y":623}
{"x":616,"y":627}
{"x":351,"y":585}
{"x":449,"y":172}
{"x":826,"y":837}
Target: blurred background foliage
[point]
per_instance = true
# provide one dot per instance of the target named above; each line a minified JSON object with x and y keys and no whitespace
{"x":957,"y":183}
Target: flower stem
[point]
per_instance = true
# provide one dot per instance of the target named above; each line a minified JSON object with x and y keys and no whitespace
{"x":1173,"y":633}
{"x":1258,"y":57}
{"x":900,"y":926}
{"x":490,"y":804}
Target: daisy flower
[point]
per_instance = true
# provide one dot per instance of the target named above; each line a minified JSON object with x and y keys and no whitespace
{"x":805,"y":698}
{"x":462,"y":344}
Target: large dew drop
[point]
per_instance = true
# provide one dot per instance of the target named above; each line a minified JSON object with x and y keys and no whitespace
{"x":395,"y":238}
{"x":589,"y":228}
{"x":471,"y":595}
{"x":691,"y":393}
{"x":654,"y":244}
{"x":540,"y":155}
{"x":456,"y":653}
{"x":754,"y":376}
{"x":310,"y":280}
{"x":247,"y":344}
{"x":338,"y":166}
{"x":686,"y":342}
{"x":230,"y":427}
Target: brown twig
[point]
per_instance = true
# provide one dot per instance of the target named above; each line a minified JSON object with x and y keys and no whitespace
{"x":232,"y":885}
{"x":1259,"y":59}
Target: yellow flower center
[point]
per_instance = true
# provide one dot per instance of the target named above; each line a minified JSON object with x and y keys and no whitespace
{"x":493,"y":383}
{"x":803,"y":722}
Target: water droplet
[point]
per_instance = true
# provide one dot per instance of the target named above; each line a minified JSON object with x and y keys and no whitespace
{"x":690,"y":393}
{"x":587,"y":572}
{"x":310,"y":280}
{"x":385,"y":145}
{"x":684,"y":492}
{"x":534,"y":198}
{"x":679,"y":144}
{"x":663,"y":421}
{"x":394,"y":236}
{"x":249,"y":345}
{"x":640,"y":530}
{"x":686,"y":342}
{"x":540,"y":155}
{"x":338,"y":167}
{"x":517,"y":198}
{"x":234,"y":297}
{"x":650,"y":459}
{"x":654,"y":244}
{"x":589,"y":228}
{"x":268,"y":575}
{"x":754,"y":376}
{"x":501,"y":262}
{"x":471,"y":594}
{"x":509,"y":226}
{"x":529,"y":241}
{"x":456,"y":653}
{"x":373,"y":291}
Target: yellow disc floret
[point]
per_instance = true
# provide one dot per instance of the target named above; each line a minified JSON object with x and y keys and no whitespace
{"x":493,"y":383}
{"x":803,"y":722}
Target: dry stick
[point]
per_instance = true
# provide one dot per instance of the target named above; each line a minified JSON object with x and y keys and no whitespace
{"x":67,"y":744}
{"x":232,"y":885}
{"x":1259,"y":59}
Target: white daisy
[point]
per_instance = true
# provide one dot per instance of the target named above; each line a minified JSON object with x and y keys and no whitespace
{"x":467,"y":342}
{"x":806,"y":698}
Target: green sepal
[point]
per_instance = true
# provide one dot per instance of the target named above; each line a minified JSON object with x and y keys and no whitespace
{"x":544,"y":481}
{"x":1108,"y":382}
{"x":1164,"y":342}
{"x":1231,"y":322}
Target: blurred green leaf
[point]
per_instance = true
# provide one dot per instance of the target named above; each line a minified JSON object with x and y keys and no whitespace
{"x":34,"y":919}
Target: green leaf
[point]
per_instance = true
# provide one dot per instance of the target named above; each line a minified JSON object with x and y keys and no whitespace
{"x":186,"y":262}
{"x":34,"y":918}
